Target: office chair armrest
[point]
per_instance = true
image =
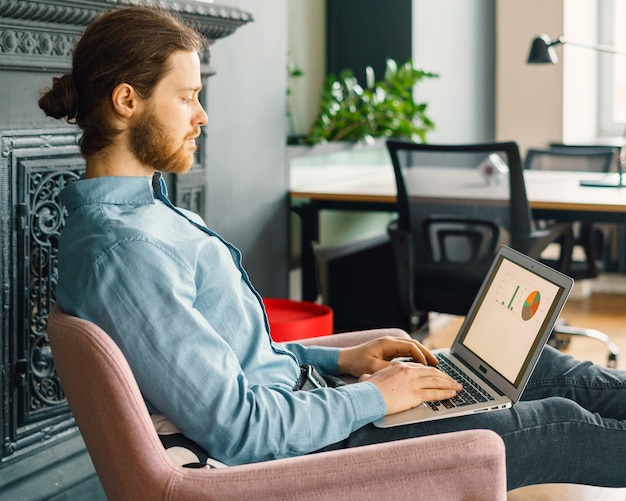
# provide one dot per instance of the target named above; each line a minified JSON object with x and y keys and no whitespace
{"x":536,"y":242}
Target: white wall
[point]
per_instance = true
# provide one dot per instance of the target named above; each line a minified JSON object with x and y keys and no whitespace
{"x":457,"y":41}
{"x":580,"y":71}
{"x":529,"y":101}
{"x":247,"y":165}
{"x":537,"y":104}
{"x":306,"y":32}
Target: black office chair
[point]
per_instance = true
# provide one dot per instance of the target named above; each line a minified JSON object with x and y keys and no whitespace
{"x":572,"y":158}
{"x":591,"y":238}
{"x":585,"y":148}
{"x":442,"y":249}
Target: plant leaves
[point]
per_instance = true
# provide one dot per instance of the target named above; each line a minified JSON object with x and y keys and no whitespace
{"x":385,"y":108}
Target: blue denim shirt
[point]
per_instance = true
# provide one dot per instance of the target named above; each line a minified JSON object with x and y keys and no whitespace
{"x":175,"y":298}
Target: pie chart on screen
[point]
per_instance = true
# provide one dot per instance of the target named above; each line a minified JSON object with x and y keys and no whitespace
{"x":531,"y":305}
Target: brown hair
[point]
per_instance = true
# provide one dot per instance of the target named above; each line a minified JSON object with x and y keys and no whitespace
{"x":129,"y":45}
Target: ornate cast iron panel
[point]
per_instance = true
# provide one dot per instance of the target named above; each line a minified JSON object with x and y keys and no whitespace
{"x":37,"y":35}
{"x":35,"y":166}
{"x":40,"y":35}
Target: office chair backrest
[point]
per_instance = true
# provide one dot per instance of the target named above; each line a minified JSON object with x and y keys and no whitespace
{"x":452,"y":216}
{"x":582,"y":148}
{"x":407,"y":155}
{"x":571,"y":158}
{"x":590,"y":237}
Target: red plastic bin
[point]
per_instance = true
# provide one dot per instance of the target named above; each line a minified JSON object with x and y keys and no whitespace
{"x":293,"y":320}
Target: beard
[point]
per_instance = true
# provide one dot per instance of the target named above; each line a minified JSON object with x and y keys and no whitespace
{"x":153,"y":145}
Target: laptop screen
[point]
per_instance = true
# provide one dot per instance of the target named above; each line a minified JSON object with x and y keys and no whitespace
{"x":513,"y":312}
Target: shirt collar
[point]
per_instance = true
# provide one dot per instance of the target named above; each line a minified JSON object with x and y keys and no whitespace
{"x":117,"y":190}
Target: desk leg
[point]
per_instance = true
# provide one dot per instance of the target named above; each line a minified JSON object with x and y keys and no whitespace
{"x":309,"y":216}
{"x":621,"y":247}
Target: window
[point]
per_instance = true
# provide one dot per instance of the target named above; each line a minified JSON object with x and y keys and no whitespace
{"x":612,"y":70}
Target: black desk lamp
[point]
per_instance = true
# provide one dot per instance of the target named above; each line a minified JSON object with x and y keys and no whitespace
{"x":542,"y":49}
{"x":542,"y":52}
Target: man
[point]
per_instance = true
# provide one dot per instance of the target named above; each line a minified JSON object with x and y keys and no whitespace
{"x":176,"y":299}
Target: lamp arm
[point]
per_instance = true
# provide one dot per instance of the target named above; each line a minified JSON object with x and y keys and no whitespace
{"x":599,"y":48}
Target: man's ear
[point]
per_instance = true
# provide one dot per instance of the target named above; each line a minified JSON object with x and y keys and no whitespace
{"x":125,"y":101}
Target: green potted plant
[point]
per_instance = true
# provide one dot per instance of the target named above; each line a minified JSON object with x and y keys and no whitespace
{"x":385,"y":108}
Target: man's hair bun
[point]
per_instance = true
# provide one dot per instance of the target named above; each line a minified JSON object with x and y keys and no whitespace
{"x":61,"y":101}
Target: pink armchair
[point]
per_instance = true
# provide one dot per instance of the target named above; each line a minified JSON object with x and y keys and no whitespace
{"x":132,"y":464}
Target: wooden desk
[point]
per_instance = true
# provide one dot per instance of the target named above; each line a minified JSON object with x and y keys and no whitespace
{"x":551,"y":195}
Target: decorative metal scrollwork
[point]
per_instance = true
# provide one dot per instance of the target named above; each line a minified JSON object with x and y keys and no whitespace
{"x":192,"y":198}
{"x":38,"y":35}
{"x":47,"y":218}
{"x":22,"y":42}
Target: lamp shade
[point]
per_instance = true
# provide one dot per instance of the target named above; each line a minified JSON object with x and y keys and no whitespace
{"x":542,"y":50}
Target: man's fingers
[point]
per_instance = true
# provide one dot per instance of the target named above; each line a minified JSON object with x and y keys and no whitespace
{"x":432,"y":378}
{"x":408,"y":384}
{"x":411,"y":348}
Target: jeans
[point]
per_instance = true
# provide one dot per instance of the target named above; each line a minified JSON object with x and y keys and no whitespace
{"x":569,"y":427}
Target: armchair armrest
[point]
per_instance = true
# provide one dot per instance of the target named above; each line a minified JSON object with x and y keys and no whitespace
{"x":352,"y":338}
{"x":460,"y":465}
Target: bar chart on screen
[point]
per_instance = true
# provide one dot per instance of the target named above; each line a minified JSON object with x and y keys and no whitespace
{"x":523,"y":300}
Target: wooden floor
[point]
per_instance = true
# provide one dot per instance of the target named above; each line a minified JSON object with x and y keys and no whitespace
{"x":604,"y":312}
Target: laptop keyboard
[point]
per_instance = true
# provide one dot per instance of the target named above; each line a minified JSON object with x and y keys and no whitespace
{"x":471,"y":392}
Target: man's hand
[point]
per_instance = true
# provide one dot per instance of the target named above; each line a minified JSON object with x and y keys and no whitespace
{"x":403,"y":385}
{"x":370,"y":357}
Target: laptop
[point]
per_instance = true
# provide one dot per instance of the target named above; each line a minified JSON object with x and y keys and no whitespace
{"x":498,"y":344}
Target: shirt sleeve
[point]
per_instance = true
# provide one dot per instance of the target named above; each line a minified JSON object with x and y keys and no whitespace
{"x":324,"y":358}
{"x":144,"y":297}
